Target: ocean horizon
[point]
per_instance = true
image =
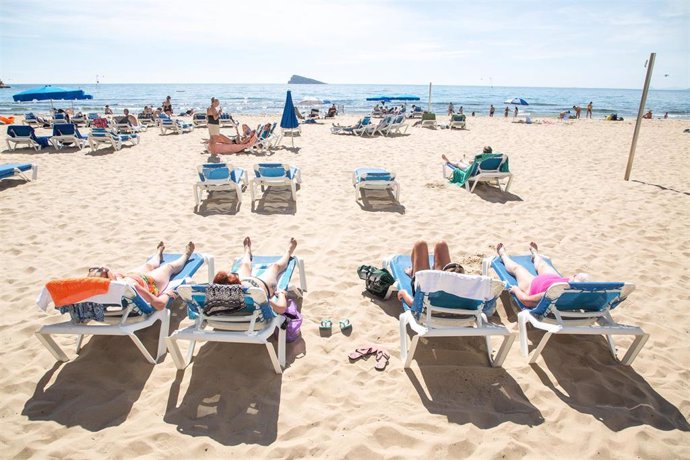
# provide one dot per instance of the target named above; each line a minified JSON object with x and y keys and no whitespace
{"x":268,"y":99}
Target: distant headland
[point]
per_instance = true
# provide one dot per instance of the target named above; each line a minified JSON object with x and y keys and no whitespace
{"x":298,"y":80}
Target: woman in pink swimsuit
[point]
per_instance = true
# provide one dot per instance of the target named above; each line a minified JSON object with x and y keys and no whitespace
{"x":530,"y":288}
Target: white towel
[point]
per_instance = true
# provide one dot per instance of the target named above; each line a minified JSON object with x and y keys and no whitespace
{"x":474,"y":287}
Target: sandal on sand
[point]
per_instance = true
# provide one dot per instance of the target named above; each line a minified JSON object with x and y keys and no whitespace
{"x":326,"y":325}
{"x":362,"y":351}
{"x":345,"y":324}
{"x":382,"y":358}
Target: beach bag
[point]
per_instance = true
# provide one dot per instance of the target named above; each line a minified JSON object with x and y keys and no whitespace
{"x":224,"y":299}
{"x":293,"y":322}
{"x":377,"y":280}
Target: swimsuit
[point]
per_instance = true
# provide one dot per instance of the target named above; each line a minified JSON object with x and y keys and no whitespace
{"x":148,"y":282}
{"x":541,"y":283}
{"x":167,"y":108}
{"x":258,"y":283}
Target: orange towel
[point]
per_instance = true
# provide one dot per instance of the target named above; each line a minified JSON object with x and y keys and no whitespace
{"x":72,"y":290}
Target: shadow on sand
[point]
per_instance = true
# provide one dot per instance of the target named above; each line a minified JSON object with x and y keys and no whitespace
{"x":379,"y":201}
{"x":275,"y":200}
{"x":661,"y":187}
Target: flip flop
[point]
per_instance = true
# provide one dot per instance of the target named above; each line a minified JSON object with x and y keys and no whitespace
{"x":326,"y":325}
{"x":362,"y":351}
{"x":345,"y":324}
{"x":382,"y":358}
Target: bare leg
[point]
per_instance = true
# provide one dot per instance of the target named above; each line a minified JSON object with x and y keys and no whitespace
{"x":154,"y":261}
{"x":539,"y":262}
{"x":523,"y":276}
{"x":441,"y":255}
{"x":245,"y":269}
{"x":161,"y":275}
{"x":420,"y":258}
{"x":270,"y":276}
{"x":460,"y":164}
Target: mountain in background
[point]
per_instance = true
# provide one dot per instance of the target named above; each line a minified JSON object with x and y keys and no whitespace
{"x":299,"y":80}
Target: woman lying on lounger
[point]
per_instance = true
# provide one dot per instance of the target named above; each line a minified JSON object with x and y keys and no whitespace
{"x":420,"y":261}
{"x":151,"y":279}
{"x":245,"y":138}
{"x":530,"y":288}
{"x":463,"y":164}
{"x":267,"y":281}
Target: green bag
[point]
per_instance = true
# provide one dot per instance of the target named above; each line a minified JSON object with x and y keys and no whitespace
{"x":378,"y":280}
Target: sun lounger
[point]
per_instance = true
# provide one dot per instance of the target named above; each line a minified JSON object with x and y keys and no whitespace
{"x":226,"y":120}
{"x":10,"y":170}
{"x":383,"y":126}
{"x":429,"y":120}
{"x":199,"y":120}
{"x":397,"y":125}
{"x":255,"y":324}
{"x":275,"y":175}
{"x":58,"y":118}
{"x":124,"y":312}
{"x":90,"y":117}
{"x":374,"y":179}
{"x":571,"y":308}
{"x":79,"y":120}
{"x":25,"y":134}
{"x":177,"y":126}
{"x":448,"y":305}
{"x":486,"y":167}
{"x":357,"y":128}
{"x":31,"y":120}
{"x":67,"y":134}
{"x":457,"y":121}
{"x":100,"y":136}
{"x":217,"y":177}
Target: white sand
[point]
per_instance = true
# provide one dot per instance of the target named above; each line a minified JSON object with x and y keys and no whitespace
{"x":568,"y":195}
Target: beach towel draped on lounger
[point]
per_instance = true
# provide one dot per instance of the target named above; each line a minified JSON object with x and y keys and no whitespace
{"x":461,"y":176}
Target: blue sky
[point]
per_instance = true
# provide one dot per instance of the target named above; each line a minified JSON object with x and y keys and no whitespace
{"x":518,"y":43}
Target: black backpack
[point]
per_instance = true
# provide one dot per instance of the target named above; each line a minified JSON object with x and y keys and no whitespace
{"x":378,"y":280}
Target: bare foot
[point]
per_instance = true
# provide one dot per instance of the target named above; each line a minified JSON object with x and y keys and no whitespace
{"x":533,"y":248}
{"x":248,"y":247}
{"x":189,"y":249}
{"x":160,"y":248}
{"x":500,"y":249}
{"x":445,"y":158}
{"x":292,"y":246}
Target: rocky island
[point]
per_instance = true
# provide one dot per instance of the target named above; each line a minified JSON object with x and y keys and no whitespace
{"x":299,"y":80}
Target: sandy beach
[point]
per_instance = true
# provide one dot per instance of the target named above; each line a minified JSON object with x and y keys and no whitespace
{"x":568,"y":194}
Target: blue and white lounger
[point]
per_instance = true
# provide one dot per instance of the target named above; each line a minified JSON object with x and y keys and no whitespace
{"x":254,"y":324}
{"x":448,"y":305}
{"x":123,"y":311}
{"x":275,"y":175}
{"x":375,"y":179}
{"x":216,"y":177}
{"x":105,"y":136}
{"x":571,"y":308}
{"x":24,"y":134}
{"x":67,"y":134}
{"x":9,"y":170}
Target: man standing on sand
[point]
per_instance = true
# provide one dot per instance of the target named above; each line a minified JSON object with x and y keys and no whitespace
{"x":491,"y":110}
{"x":578,"y":109}
{"x":451,"y":109}
{"x":589,"y":110}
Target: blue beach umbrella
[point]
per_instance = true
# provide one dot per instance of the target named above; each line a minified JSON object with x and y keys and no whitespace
{"x":50,"y":93}
{"x":517,"y":101}
{"x":289,"y":119}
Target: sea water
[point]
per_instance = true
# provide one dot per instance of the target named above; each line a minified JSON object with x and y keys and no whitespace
{"x":270,"y":99}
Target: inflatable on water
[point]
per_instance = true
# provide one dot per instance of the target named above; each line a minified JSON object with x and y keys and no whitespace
{"x":7,"y":120}
{"x":217,"y":148}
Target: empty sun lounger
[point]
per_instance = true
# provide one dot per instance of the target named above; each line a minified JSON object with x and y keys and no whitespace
{"x":199,"y":120}
{"x":486,"y":167}
{"x":216,"y":177}
{"x":10,"y":170}
{"x":105,"y":136}
{"x":255,"y":324}
{"x":275,"y":175}
{"x":118,"y":311}
{"x":67,"y":134}
{"x":25,"y":134}
{"x":177,"y":126}
{"x":457,"y":120}
{"x":448,"y":305}
{"x":571,"y":308}
{"x":375,"y":179}
{"x":429,"y":120}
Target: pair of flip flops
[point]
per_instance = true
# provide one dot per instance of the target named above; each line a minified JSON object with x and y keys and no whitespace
{"x":381,"y":355}
{"x":327,"y":325}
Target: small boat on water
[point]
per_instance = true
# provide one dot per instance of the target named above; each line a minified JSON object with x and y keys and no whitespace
{"x":3,"y":85}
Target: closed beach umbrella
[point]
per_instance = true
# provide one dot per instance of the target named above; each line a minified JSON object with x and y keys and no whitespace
{"x":50,"y":93}
{"x":289,"y":119}
{"x":517,"y":101}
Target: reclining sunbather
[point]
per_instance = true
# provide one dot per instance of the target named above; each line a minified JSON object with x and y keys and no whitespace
{"x":461,"y":164}
{"x":420,"y":261}
{"x":151,"y":279}
{"x":267,"y":281}
{"x":530,"y":288}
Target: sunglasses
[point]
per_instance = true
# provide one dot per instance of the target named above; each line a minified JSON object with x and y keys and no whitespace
{"x":100,"y":270}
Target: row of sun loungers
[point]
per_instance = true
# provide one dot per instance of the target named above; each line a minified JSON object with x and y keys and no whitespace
{"x":68,"y":135}
{"x":445,"y":305}
{"x":392,"y":124}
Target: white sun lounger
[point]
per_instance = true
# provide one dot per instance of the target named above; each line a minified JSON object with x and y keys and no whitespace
{"x":216,"y":177}
{"x":275,"y":175}
{"x":374,"y":179}
{"x":10,"y":170}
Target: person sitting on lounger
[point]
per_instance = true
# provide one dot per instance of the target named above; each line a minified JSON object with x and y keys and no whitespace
{"x":266,"y":281}
{"x":332,"y":111}
{"x":131,"y":119}
{"x":648,"y":115}
{"x":151,"y":279}
{"x":530,"y":288}
{"x":420,"y":261}
{"x":463,"y":164}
